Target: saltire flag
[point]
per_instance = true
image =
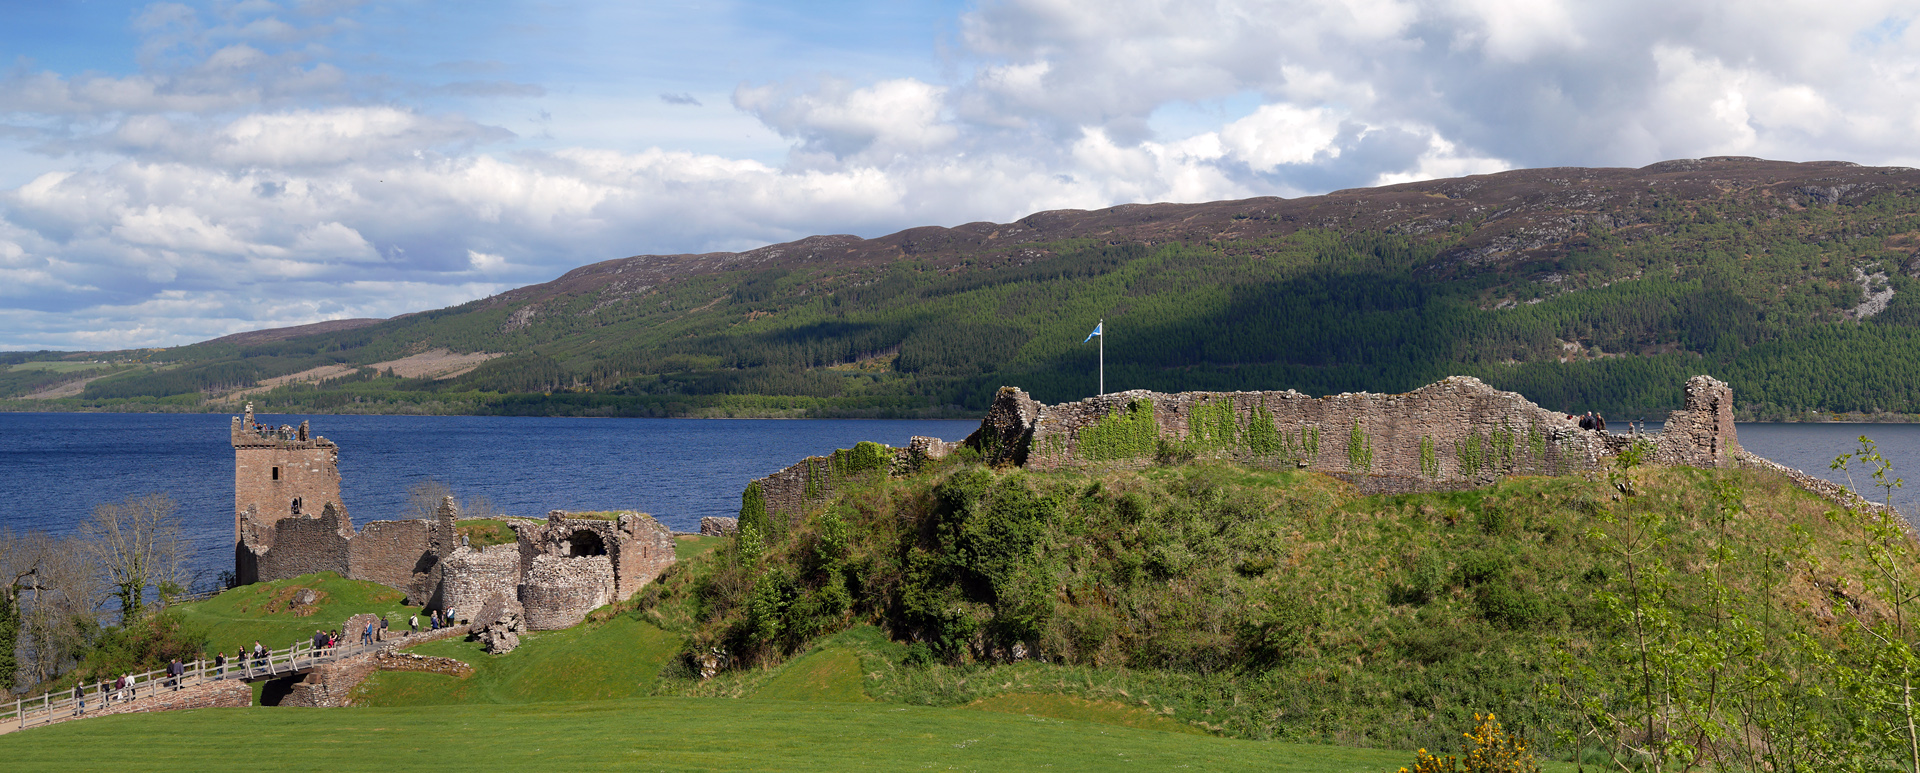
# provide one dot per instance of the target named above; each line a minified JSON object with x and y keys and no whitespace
{"x":1096,"y":330}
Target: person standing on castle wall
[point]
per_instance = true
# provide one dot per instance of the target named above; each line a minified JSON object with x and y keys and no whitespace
{"x":1600,"y":422}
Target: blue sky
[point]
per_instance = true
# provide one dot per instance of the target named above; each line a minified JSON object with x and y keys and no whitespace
{"x":171,"y":172}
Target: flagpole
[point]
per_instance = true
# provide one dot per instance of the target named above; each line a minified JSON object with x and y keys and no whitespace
{"x":1103,"y":356}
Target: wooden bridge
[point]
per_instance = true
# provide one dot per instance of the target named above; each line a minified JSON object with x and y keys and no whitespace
{"x":61,"y":705}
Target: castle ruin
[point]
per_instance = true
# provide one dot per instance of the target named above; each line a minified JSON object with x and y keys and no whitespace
{"x":288,"y":521}
{"x":1454,"y":434}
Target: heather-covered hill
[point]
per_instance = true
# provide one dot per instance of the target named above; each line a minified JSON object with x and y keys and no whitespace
{"x":1581,"y":288}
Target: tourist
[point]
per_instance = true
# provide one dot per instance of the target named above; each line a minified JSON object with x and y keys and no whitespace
{"x":79,"y":699}
{"x":413,"y":623}
{"x":219,"y":664}
{"x":133,"y":690}
{"x":382,"y":636}
{"x":1600,"y":422}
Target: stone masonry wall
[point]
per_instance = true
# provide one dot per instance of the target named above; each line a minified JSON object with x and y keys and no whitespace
{"x":391,"y":552}
{"x":645,"y":549}
{"x":473,"y":576}
{"x":559,"y":592}
{"x":1457,"y":433}
{"x":306,"y":545}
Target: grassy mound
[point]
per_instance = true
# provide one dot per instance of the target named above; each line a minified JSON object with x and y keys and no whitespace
{"x":1279,"y":605}
{"x":268,"y":611}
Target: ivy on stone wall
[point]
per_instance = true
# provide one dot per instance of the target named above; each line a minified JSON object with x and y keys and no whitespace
{"x":1214,"y":426}
{"x":1536,"y":444}
{"x":864,"y":456}
{"x":1359,"y":449}
{"x":1502,"y":442}
{"x":753,"y":509}
{"x":1472,"y":454}
{"x":1263,"y":438}
{"x":1128,"y":433}
{"x":1310,"y":441}
{"x":1429,"y":459}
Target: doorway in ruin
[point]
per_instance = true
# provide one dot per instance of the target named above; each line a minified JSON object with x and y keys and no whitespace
{"x":585,"y":542}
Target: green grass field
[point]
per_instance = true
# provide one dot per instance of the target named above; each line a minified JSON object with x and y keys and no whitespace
{"x":649,"y":734}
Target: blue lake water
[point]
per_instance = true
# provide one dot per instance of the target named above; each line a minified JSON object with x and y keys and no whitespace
{"x":55,"y":467}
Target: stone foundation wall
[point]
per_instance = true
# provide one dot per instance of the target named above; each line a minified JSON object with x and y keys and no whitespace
{"x":559,"y":592}
{"x":713,"y":526}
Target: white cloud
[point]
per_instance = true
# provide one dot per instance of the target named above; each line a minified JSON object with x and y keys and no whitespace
{"x":247,"y":158}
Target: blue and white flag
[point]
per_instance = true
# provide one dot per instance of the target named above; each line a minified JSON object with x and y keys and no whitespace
{"x":1096,"y":330}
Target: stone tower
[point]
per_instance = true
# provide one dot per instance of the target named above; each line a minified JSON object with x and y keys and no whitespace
{"x":278,"y":472}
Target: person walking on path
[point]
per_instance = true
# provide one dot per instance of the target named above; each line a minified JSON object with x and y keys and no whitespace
{"x":79,"y":699}
{"x":219,"y":664}
{"x":413,"y":623}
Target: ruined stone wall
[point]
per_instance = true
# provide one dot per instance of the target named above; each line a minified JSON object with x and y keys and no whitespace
{"x":645,"y":549}
{"x":303,"y":545}
{"x":1457,"y":433}
{"x":392,"y":553}
{"x":788,"y":491}
{"x":1702,"y":433}
{"x":559,"y":592}
{"x":472,"y":576}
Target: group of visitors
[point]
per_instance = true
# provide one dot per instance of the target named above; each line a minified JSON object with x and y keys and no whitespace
{"x":1591,"y":421}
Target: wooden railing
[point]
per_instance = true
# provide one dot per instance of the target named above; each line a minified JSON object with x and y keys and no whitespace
{"x":59,"y":705}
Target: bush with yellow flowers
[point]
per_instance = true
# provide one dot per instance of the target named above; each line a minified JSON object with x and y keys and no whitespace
{"x":1489,"y":750}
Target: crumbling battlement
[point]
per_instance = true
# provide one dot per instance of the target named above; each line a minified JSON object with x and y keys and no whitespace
{"x":1453,"y":434}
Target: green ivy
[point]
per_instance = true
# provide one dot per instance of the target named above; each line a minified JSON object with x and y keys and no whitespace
{"x":1359,"y":450}
{"x":1310,"y":440}
{"x":1263,"y":438}
{"x":1429,"y":460}
{"x":1213,"y":427}
{"x":1127,"y":433}
{"x":1473,"y":454}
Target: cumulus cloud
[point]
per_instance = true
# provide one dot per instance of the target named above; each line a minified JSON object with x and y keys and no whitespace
{"x":245,"y":160}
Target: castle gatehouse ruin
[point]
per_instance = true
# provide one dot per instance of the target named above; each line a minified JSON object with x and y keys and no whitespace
{"x":288,"y":521}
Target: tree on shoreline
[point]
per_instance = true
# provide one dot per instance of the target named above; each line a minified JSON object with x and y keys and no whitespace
{"x":137,"y":545}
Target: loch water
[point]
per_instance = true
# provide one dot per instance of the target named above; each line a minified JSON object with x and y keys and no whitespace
{"x":55,"y":467}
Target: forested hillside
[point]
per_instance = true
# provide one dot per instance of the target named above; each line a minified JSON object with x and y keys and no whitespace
{"x":1582,"y":289}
